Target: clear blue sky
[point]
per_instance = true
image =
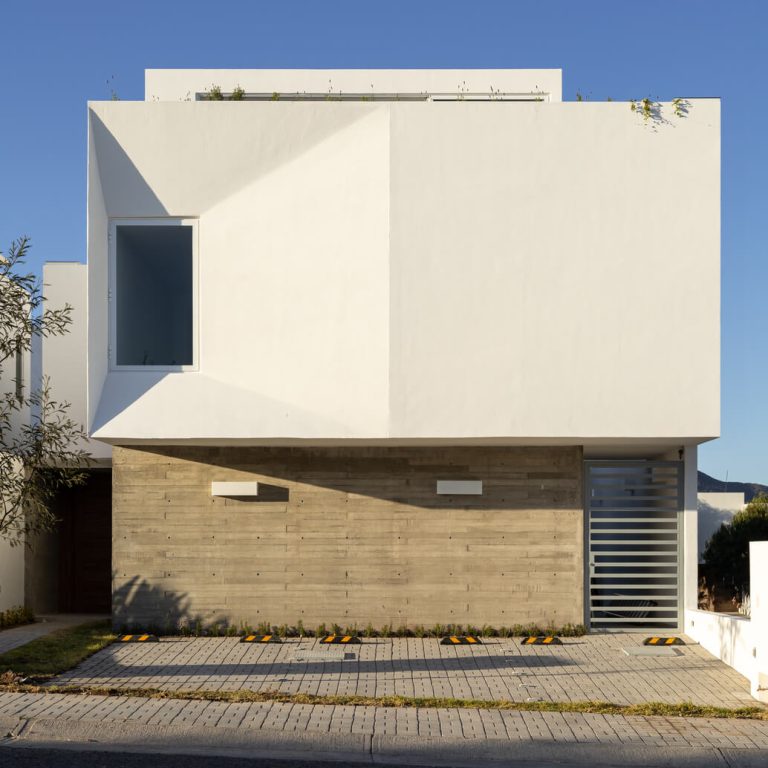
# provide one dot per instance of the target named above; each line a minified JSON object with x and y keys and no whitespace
{"x":57,"y":55}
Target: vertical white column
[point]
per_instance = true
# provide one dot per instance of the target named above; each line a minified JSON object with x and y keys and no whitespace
{"x":690,"y":528}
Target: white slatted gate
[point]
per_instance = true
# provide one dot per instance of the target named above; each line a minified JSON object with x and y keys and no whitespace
{"x":634,"y":513}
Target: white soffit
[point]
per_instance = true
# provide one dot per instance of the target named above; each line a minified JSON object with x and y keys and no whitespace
{"x":460,"y":487}
{"x":234,"y":489}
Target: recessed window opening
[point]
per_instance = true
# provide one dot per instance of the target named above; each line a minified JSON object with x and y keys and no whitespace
{"x":154,"y":295}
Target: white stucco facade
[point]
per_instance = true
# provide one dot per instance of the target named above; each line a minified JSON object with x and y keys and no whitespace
{"x":516,"y":272}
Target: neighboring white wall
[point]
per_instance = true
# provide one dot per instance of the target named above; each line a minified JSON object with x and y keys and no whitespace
{"x":740,"y":642}
{"x":714,"y":509}
{"x":401,"y":271}
{"x":64,"y":357}
{"x":12,"y":558}
{"x":11,"y":575}
{"x":184,"y":84}
{"x":758,"y":578}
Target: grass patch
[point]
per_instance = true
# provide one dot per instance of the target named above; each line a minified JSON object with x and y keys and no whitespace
{"x":650,"y":709}
{"x":55,"y":653}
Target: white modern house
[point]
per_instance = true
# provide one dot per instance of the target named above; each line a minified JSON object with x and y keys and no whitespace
{"x":401,"y":347}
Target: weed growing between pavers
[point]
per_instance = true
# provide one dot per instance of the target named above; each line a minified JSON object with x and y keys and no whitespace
{"x":16,"y":617}
{"x":53,"y":654}
{"x":650,"y":709}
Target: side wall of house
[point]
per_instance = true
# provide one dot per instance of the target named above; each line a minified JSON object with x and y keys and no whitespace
{"x":348,"y":535}
{"x":12,"y":558}
{"x":11,"y":576}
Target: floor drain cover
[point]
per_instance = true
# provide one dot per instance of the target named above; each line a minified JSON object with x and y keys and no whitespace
{"x":651,"y":650}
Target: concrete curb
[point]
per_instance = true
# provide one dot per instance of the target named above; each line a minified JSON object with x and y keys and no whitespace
{"x":358,"y":748}
{"x":138,"y":737}
{"x":9,"y":726}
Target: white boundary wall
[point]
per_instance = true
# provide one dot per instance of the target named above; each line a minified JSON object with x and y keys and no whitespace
{"x":740,"y":642}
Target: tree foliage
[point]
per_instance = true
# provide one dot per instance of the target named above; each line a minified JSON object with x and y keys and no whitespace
{"x":39,"y":442}
{"x":727,"y":551}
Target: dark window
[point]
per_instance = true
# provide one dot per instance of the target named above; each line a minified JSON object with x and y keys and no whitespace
{"x":153,"y":292}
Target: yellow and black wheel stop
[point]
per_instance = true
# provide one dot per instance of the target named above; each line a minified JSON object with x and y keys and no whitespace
{"x":137,"y":639}
{"x":339,"y":639}
{"x":260,"y":639}
{"x":460,"y":640}
{"x":542,"y":640}
{"x":663,"y":641}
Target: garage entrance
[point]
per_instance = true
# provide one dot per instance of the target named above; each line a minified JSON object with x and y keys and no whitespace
{"x":634,"y":511}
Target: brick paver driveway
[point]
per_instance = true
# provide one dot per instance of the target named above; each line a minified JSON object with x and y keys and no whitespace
{"x":594,"y":667}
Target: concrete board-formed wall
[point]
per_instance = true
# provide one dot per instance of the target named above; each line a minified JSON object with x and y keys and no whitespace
{"x":535,"y":272}
{"x":348,"y":535}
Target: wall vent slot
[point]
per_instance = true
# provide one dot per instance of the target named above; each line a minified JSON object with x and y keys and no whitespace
{"x":460,"y":487}
{"x":234,"y":489}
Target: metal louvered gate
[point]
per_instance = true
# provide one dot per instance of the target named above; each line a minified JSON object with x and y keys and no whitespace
{"x":634,"y":513}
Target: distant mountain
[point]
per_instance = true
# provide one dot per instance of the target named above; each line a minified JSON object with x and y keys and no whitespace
{"x":709,"y":484}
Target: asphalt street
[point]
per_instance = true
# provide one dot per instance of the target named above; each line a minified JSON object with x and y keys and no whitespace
{"x":70,"y":758}
{"x":77,"y":757}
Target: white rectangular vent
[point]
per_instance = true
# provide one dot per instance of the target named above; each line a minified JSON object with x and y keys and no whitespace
{"x":460,"y":487}
{"x":235,"y":489}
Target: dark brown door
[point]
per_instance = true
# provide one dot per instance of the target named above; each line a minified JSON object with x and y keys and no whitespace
{"x":85,"y":546}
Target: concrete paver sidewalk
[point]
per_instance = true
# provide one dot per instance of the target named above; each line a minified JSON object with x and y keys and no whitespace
{"x":593,"y":667}
{"x":188,"y":725}
{"x":45,"y":625}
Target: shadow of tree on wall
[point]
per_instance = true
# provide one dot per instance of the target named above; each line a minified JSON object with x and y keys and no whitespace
{"x":139,"y":605}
